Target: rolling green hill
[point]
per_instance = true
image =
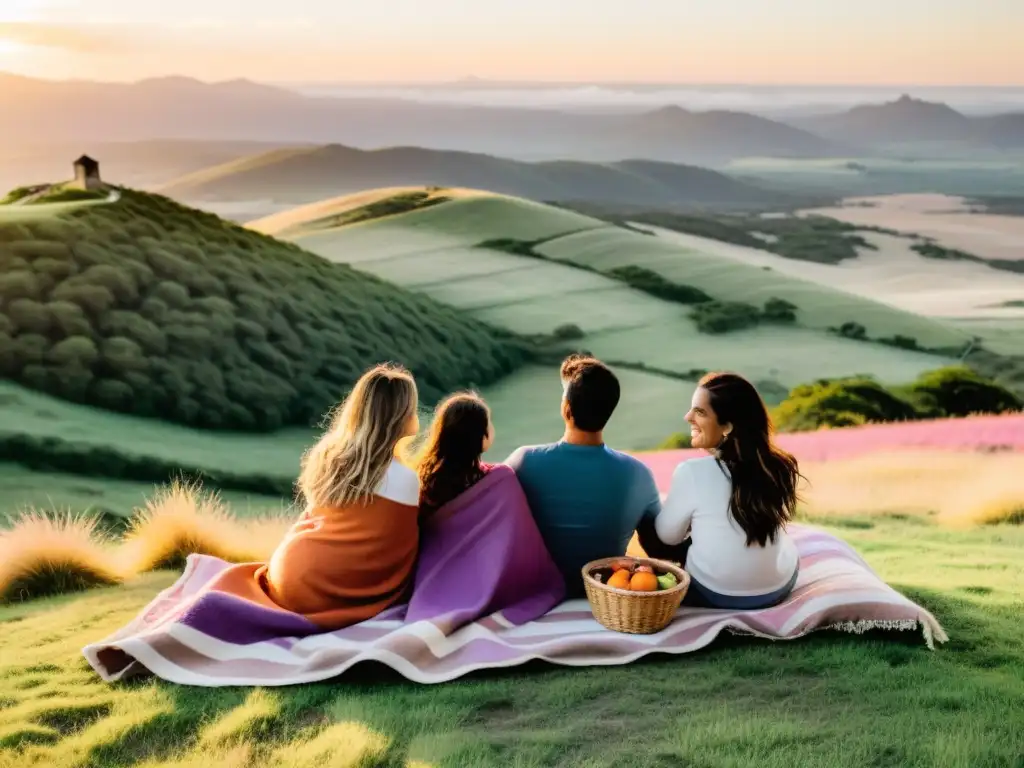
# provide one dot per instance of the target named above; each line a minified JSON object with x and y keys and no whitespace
{"x":147,"y":307}
{"x":307,"y":174}
{"x":535,"y":269}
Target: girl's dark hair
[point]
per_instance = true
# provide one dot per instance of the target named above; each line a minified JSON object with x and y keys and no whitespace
{"x":764,"y":477}
{"x":449,"y":461}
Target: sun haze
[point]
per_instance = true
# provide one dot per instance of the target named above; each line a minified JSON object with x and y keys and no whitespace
{"x":950,"y":42}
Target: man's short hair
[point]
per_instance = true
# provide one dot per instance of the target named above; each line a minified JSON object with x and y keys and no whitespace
{"x":592,"y":391}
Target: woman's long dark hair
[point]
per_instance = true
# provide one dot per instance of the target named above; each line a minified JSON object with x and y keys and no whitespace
{"x":449,"y":461}
{"x":764,"y":477}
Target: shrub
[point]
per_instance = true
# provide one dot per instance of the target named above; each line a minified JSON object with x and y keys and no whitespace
{"x":28,"y":316}
{"x":68,"y":320}
{"x":42,"y":555}
{"x":18,"y":284}
{"x":900,"y":342}
{"x":840,"y":403}
{"x":93,"y":299}
{"x":568,"y":332}
{"x":725,"y":316}
{"x":779,"y":311}
{"x":73,"y":352}
{"x":852,"y":330}
{"x":183,"y":519}
{"x":651,"y":282}
{"x":675,"y":441}
{"x":959,"y":391}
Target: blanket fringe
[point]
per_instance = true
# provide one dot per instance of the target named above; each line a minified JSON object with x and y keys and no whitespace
{"x":866,"y":625}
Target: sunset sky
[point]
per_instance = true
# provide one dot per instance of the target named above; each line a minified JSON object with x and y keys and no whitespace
{"x":924,"y":42}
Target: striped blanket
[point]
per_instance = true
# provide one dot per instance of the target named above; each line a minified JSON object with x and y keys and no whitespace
{"x":227,"y":643}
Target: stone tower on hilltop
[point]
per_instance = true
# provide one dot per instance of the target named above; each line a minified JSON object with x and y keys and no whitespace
{"x":87,"y":173}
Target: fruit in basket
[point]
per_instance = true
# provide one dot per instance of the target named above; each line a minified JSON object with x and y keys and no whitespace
{"x":643,"y":581}
{"x":620,"y":579}
{"x":643,"y":569}
{"x":622,"y":565}
{"x":667,"y":580}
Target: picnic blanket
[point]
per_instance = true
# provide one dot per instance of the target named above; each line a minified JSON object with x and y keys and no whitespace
{"x":194,"y":637}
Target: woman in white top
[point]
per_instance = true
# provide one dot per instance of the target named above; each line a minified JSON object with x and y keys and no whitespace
{"x":735,"y":503}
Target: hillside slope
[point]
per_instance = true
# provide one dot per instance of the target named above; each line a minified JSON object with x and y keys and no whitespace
{"x":148,"y":307}
{"x":304,"y":175}
{"x":536,"y":269}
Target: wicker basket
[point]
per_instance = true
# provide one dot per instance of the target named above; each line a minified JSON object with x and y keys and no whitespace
{"x":638,"y":613}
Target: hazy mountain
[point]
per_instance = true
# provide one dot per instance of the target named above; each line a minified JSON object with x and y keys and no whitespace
{"x":908,"y":120}
{"x":139,"y":164}
{"x":308,"y":174}
{"x":182,"y":108}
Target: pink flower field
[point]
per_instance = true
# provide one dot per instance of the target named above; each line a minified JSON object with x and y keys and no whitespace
{"x":976,"y":433}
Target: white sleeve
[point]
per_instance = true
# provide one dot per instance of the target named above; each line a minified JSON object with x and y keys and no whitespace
{"x":673,"y":523}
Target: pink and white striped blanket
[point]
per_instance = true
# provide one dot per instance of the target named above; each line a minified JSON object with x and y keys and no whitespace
{"x":189,"y":636}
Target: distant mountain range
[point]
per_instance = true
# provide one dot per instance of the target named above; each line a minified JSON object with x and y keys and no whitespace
{"x":909,"y":121}
{"x":182,"y":108}
{"x":302,"y":175}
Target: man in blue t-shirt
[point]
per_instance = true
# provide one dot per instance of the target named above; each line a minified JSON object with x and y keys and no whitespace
{"x":586,"y":498}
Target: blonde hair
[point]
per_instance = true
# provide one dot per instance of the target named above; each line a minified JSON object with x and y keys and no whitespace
{"x":349,"y":462}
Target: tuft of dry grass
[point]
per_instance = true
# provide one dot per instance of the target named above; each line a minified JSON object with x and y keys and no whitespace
{"x":956,"y":488}
{"x":183,"y":519}
{"x":43,"y":555}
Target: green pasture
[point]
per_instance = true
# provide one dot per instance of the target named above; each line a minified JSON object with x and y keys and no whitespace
{"x":24,"y":411}
{"x":827,"y":701}
{"x":113,"y":501}
{"x":819,"y":307}
{"x":432,"y":253}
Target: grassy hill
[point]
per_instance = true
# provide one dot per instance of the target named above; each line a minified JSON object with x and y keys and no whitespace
{"x":536,"y":269}
{"x":150,"y":308}
{"x":303,"y":175}
{"x":830,"y":699}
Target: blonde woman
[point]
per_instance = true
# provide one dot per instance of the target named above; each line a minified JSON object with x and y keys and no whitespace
{"x":352,"y":553}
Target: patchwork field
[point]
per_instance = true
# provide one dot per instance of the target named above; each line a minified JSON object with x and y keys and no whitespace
{"x":950,"y":220}
{"x":444,"y":252}
{"x":894,"y":275}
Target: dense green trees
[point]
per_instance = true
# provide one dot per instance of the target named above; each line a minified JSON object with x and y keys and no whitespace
{"x":151,"y":308}
{"x":946,"y":392}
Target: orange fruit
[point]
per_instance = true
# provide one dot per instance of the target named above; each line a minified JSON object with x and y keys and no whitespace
{"x":643,"y":581}
{"x":620,"y":580}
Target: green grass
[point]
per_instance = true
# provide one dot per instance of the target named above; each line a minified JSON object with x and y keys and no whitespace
{"x":827,"y":700}
{"x":525,"y":407}
{"x":820,"y":307}
{"x":26,"y":412}
{"x":113,"y":501}
{"x":437,"y":252}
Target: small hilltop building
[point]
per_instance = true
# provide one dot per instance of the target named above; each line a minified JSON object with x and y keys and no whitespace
{"x":87,"y":173}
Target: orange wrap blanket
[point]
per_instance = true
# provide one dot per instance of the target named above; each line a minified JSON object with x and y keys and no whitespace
{"x":336,"y":566}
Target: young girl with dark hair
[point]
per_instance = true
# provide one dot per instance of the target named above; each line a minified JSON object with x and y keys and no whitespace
{"x":449,"y":462}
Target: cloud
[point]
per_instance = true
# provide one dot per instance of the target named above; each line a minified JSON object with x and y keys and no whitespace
{"x":76,"y":38}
